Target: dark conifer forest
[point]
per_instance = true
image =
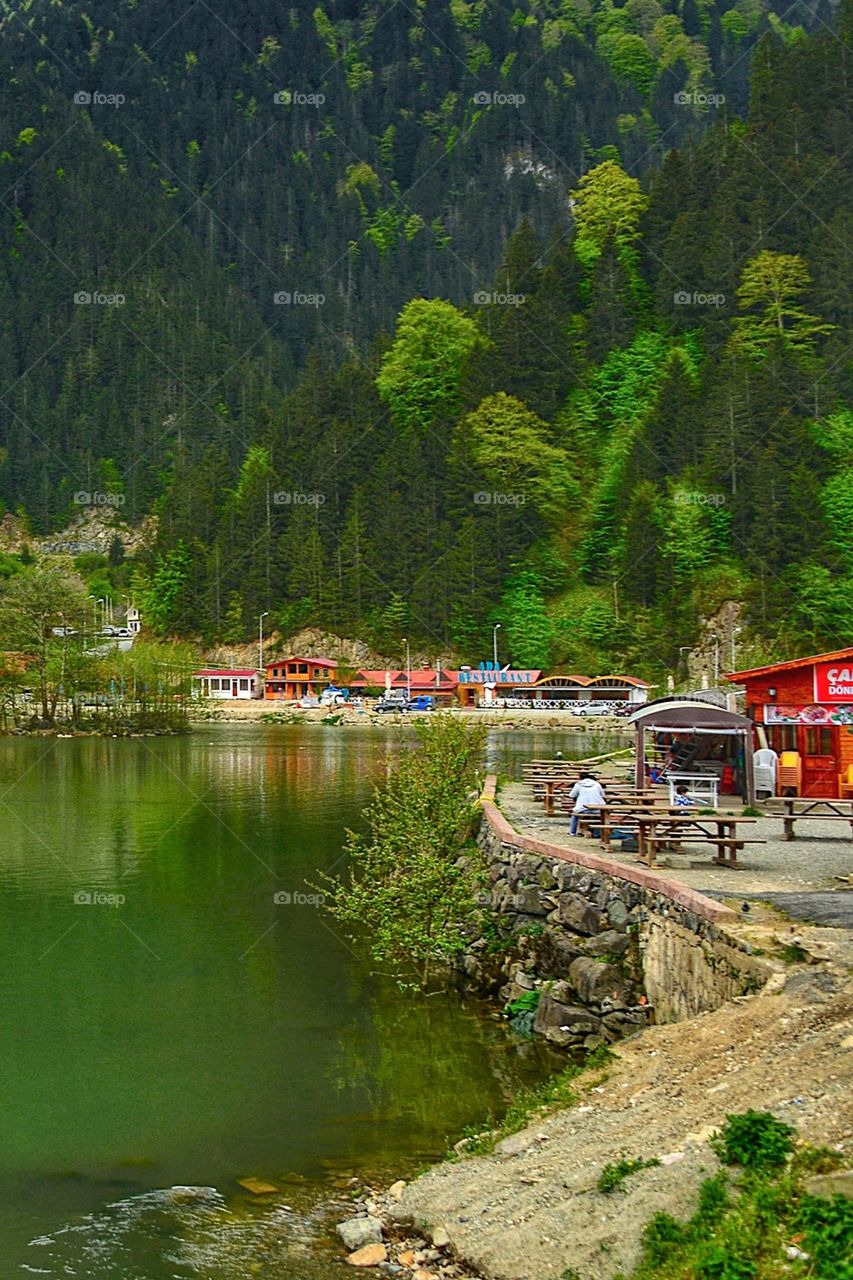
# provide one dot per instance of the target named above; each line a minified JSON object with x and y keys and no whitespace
{"x":408,"y":317}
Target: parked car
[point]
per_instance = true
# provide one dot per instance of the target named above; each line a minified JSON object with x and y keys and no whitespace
{"x":394,"y":702}
{"x":423,"y":702}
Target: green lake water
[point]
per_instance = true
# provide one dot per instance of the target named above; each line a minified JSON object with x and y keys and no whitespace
{"x":168,"y":1023}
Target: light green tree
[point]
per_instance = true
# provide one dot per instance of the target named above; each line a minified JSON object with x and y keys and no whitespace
{"x":419,"y":376}
{"x":770,"y":285}
{"x":34,"y":606}
{"x":606,"y":202}
{"x":529,"y":629}
{"x":510,"y":445}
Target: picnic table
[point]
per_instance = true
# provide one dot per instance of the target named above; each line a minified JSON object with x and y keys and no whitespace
{"x":621,"y":815}
{"x":720,"y":829}
{"x":832,"y":811}
{"x":549,"y":787}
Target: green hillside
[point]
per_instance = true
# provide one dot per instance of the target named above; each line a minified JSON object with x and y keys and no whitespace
{"x":410,"y":319}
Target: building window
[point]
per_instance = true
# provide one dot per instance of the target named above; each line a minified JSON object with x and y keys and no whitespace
{"x":782,"y":738}
{"x":214,"y":684}
{"x":244,"y":685}
{"x":818,"y":742}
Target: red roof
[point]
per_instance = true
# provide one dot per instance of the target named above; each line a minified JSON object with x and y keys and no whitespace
{"x":423,"y":678}
{"x":838,"y":655}
{"x":225,"y":671}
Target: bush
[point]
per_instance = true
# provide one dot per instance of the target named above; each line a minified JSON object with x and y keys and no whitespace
{"x":755,"y":1140}
{"x":827,"y":1227}
{"x":663,"y":1238}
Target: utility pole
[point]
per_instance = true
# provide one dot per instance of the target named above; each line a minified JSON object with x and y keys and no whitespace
{"x":408,"y":670}
{"x":735,"y":632}
{"x":495,"y":631}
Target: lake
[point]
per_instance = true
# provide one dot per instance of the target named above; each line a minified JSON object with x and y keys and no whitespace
{"x":177,"y":1011}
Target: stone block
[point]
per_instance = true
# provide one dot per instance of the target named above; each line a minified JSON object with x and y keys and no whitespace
{"x":357,"y":1232}
{"x":594,"y":981}
{"x":579,"y":914}
{"x":611,"y":942}
{"x":528,"y":900}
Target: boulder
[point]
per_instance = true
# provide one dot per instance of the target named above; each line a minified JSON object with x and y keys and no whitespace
{"x":555,"y":951}
{"x":610,"y":943}
{"x":579,"y":914}
{"x":826,"y":1185}
{"x":617,"y":914}
{"x":369,"y":1256}
{"x":624,"y":1022}
{"x":440,"y":1237}
{"x":528,"y":899}
{"x":357,"y":1232}
{"x":594,"y":981}
{"x":570,"y":1020}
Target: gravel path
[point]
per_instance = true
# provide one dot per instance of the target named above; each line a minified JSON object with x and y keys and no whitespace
{"x":819,"y":858}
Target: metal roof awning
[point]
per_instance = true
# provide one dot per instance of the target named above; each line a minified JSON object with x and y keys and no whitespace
{"x":688,"y":715}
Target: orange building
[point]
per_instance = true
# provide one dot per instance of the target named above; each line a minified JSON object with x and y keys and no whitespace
{"x":806,"y":707}
{"x":289,"y":679}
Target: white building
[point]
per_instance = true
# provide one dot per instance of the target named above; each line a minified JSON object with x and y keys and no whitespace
{"x":227,"y":682}
{"x":133,"y":622}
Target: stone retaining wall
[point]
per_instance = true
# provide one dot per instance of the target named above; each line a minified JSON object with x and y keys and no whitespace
{"x":606,"y":946}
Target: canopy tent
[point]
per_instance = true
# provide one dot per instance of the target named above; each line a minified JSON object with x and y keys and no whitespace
{"x":694,"y":717}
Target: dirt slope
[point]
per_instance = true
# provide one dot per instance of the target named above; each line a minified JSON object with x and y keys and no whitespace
{"x":532,"y":1210}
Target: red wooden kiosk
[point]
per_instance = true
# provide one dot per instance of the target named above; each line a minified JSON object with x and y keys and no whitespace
{"x":806,"y":706}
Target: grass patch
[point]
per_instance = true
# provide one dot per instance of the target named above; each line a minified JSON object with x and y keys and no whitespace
{"x":754,"y":1220}
{"x":613,"y":1175}
{"x":553,"y":1094}
{"x":791,"y":953}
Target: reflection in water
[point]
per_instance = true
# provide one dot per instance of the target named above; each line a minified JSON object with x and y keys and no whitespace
{"x":198,"y":1031}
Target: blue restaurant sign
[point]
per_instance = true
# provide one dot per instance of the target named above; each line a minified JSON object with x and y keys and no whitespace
{"x":488,"y":673}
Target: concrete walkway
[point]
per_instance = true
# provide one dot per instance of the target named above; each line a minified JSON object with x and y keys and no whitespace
{"x":819,"y":861}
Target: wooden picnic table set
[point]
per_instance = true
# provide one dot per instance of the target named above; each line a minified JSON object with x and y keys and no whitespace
{"x":548,"y":789}
{"x":817,"y":809}
{"x":672,"y":827}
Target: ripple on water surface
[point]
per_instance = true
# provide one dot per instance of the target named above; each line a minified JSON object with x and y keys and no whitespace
{"x":184,"y":1232}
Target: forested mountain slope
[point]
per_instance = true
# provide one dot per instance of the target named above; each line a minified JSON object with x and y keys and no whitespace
{"x":629,"y":404}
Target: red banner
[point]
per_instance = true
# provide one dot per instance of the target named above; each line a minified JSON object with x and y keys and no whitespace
{"x":833,"y":681}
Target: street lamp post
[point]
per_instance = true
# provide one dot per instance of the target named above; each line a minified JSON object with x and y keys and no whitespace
{"x":495,"y":631}
{"x":261,"y":640}
{"x":408,"y":669}
{"x":735,"y":632}
{"x":716,"y":661}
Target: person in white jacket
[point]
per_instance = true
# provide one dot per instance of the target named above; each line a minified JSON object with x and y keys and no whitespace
{"x":588,"y":794}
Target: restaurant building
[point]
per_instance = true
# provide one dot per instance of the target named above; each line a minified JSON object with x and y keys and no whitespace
{"x":804,"y":710}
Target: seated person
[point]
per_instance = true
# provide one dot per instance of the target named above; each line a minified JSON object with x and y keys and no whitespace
{"x":683,"y":799}
{"x":588,"y":795}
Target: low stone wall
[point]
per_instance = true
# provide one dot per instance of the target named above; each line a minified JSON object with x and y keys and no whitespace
{"x":606,"y":946}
